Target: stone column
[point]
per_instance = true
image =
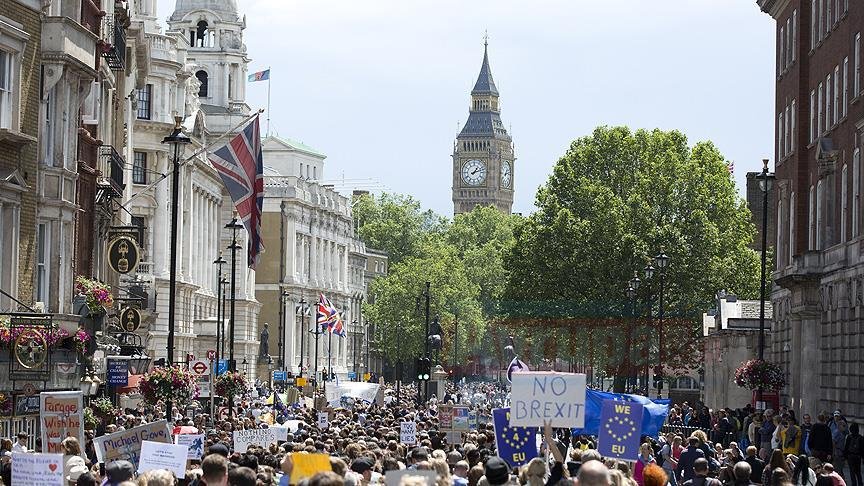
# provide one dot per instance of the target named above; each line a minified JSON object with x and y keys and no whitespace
{"x":161,"y":225}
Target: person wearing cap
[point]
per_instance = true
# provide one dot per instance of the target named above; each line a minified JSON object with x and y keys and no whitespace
{"x":118,"y":471}
{"x":496,"y":473}
{"x":363,"y":466}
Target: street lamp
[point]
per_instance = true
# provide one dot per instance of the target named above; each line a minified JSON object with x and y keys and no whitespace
{"x":301,"y":311}
{"x":766,"y":181}
{"x":649,"y":274}
{"x":219,"y":310}
{"x":661,"y":261}
{"x":177,"y":141}
{"x":628,"y":364}
{"x":139,"y":363}
{"x":233,"y":225}
{"x":356,"y":351}
{"x":283,"y":297}
{"x":223,"y":282}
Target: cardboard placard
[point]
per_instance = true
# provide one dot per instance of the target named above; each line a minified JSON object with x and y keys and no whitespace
{"x":195,"y":443}
{"x":445,"y":416}
{"x":548,"y":396}
{"x":158,"y":455}
{"x":260,"y":437}
{"x":323,"y":420}
{"x":37,"y":469}
{"x":408,"y":433}
{"x":307,"y":465}
{"x":61,"y":415}
{"x":460,"y":419}
{"x":394,"y":478}
{"x":126,"y":445}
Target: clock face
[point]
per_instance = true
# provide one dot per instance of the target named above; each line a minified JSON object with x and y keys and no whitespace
{"x":474,"y":172}
{"x":506,"y":174}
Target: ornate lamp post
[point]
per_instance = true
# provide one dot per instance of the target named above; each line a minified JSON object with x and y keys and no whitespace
{"x":649,"y":274}
{"x":177,"y":141}
{"x":302,"y":311}
{"x":233,"y":225}
{"x":219,"y":310}
{"x":661,"y":261}
{"x":766,"y":181}
{"x":635,"y":282}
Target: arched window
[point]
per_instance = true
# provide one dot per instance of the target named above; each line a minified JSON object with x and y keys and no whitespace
{"x":202,"y":77}
{"x":201,"y":34}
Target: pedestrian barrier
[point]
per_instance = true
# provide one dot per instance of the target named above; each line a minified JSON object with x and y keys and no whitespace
{"x":10,"y":427}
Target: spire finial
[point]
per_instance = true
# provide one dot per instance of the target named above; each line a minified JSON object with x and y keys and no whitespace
{"x":486,"y":38}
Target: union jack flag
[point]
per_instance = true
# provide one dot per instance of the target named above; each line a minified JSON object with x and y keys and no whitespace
{"x":326,"y":313}
{"x":338,"y":326}
{"x":240,"y":164}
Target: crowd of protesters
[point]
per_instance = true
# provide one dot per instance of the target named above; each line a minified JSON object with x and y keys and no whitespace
{"x":699,"y":447}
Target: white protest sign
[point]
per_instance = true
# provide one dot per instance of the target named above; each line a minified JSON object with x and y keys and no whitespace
{"x":408,"y":433}
{"x":260,"y":437}
{"x":293,"y":425}
{"x":395,"y":477}
{"x":37,"y":469}
{"x":158,"y":455}
{"x":281,"y":433}
{"x":323,"y":420}
{"x":539,"y":397}
{"x":195,"y":443}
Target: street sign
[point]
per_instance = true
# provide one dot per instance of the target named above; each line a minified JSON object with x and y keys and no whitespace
{"x":280,"y":375}
{"x":221,"y":367}
{"x":117,"y":371}
{"x":211,"y":354}
{"x":130,"y":319}
{"x":200,"y":367}
{"x":203,"y":386}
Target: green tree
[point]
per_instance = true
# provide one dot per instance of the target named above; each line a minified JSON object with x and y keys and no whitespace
{"x":396,"y":224}
{"x":613,"y":201}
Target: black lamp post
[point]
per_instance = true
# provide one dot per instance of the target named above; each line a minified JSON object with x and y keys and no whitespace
{"x":233,"y":225}
{"x":635,"y":282}
{"x":356,"y":351}
{"x":661,"y":261}
{"x":301,"y":311}
{"x":283,"y":297}
{"x":455,"y":344}
{"x":766,"y":181}
{"x":219,"y":262}
{"x":649,"y":274}
{"x":223,"y":282}
{"x":177,"y":141}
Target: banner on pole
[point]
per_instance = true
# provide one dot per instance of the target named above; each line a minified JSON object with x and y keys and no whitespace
{"x":621,"y":423}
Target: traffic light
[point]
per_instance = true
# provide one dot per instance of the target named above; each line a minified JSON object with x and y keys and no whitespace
{"x":424,"y":368}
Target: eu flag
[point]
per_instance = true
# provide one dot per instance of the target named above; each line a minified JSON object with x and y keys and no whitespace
{"x":619,"y":435}
{"x":653,"y":417}
{"x":516,"y":445}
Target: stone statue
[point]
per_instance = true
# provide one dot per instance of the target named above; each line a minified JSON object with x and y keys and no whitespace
{"x":265,"y":344}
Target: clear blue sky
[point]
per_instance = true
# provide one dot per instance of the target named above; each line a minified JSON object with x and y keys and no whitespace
{"x":380,"y":85}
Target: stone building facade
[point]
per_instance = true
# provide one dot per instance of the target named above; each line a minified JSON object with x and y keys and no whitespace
{"x":817,"y":299}
{"x":314,"y":250}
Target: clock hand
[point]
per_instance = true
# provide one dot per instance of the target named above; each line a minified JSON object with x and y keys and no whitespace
{"x":474,"y":171}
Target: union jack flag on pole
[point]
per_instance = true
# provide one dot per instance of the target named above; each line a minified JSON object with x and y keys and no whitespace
{"x":326,"y":313}
{"x":240,"y":164}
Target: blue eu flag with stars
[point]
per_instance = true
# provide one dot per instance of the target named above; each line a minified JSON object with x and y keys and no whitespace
{"x":620,"y":424}
{"x":653,"y":418}
{"x":516,"y":445}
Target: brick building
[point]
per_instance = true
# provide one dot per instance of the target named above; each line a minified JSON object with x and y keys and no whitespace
{"x":20,"y":36}
{"x":819,"y":293}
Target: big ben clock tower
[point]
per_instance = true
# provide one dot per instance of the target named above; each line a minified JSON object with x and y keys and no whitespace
{"x":483,"y":156}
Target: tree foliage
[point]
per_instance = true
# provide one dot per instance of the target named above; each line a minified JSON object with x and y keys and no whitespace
{"x":613,"y":201}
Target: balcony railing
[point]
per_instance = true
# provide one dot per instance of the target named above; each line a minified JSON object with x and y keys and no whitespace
{"x":113,"y":185}
{"x":113,"y":43}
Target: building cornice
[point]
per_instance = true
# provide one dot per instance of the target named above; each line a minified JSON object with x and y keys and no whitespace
{"x":773,"y":7}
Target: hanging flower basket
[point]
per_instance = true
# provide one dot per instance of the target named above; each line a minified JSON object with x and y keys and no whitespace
{"x":90,"y":420}
{"x":755,"y":374}
{"x":169,"y":383}
{"x":97,"y":295}
{"x":81,"y":339}
{"x":103,"y":409}
{"x":231,"y":384}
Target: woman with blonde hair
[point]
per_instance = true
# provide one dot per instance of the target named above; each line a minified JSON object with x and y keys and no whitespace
{"x":534,"y":474}
{"x":443,"y":470}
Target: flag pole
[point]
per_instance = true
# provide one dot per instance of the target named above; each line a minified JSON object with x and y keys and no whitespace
{"x":269,"y":75}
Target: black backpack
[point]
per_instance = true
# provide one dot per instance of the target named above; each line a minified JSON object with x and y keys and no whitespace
{"x":855,"y":445}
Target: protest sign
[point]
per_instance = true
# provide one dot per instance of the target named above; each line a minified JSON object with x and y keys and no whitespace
{"x":323,"y":420}
{"x":126,"y":445}
{"x":445,"y":416}
{"x":158,"y":455}
{"x":293,"y":425}
{"x":37,"y":469}
{"x":516,"y":445}
{"x":260,"y":437}
{"x":460,"y":418}
{"x":620,"y":427}
{"x":61,"y":415}
{"x":195,"y":443}
{"x":395,"y":477}
{"x":408,"y":433}
{"x":280,"y":432}
{"x":307,"y":465}
{"x":558,"y":398}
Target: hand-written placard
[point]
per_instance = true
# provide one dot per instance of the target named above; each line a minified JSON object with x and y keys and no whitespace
{"x":260,"y":437}
{"x":62,"y":415}
{"x":620,"y":430}
{"x":323,"y":420}
{"x":408,"y":433}
{"x":156,"y":455}
{"x":547,"y":396}
{"x":37,"y":469}
{"x":126,"y":444}
{"x":307,"y":465}
{"x":195,"y":443}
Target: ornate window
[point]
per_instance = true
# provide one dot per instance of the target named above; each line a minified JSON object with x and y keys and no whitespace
{"x":203,"y":78}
